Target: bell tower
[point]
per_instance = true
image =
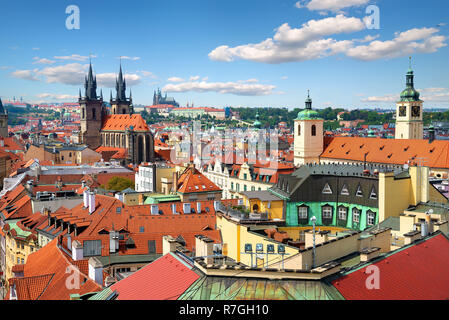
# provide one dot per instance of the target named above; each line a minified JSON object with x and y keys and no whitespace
{"x":92,"y":112}
{"x":309,"y":135}
{"x":3,"y":121}
{"x":409,"y":111}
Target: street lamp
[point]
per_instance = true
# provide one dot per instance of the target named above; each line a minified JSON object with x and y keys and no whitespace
{"x":313,"y":220}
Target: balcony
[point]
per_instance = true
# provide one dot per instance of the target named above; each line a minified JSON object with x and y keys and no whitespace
{"x":241,"y":213}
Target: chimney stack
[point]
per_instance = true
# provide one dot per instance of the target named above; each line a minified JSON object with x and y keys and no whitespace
{"x":77,"y":251}
{"x":175,"y":181}
{"x":86,"y":198}
{"x":91,"y":202}
{"x":96,"y":270}
{"x":431,"y":134}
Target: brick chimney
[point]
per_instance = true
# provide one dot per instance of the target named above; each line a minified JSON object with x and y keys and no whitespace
{"x":175,"y":181}
{"x":96,"y":270}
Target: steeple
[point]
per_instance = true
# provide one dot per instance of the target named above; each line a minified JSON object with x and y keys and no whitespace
{"x":90,"y":85}
{"x":101,"y":95}
{"x":121,"y":86}
{"x":2,"y":110}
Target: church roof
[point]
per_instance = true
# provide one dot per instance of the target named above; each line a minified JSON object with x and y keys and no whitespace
{"x":388,"y":151}
{"x":120,"y":122}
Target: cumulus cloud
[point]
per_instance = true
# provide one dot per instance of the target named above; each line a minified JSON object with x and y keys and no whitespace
{"x":194,"y":78}
{"x":25,"y":74}
{"x":175,"y":79}
{"x":409,"y":42}
{"x":56,"y":96}
{"x":42,"y":61}
{"x":147,"y":74}
{"x":334,"y":5}
{"x":72,"y":74}
{"x":237,"y":88}
{"x":313,"y":40}
{"x":75,"y":57}
{"x":129,"y":58}
{"x":109,"y":79}
{"x":427,"y":95}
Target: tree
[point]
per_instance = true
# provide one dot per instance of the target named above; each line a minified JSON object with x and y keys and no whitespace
{"x":120,"y":184}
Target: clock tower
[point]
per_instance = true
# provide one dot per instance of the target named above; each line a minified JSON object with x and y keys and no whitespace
{"x":409,"y":111}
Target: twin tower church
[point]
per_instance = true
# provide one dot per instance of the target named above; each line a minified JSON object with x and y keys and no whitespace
{"x":121,"y":134}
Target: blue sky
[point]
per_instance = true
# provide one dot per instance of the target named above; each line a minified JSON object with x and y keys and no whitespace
{"x":219,"y":53}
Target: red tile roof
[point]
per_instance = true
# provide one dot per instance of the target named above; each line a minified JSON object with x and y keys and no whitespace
{"x":108,"y":153}
{"x":45,"y":276}
{"x":119,"y":122}
{"x":164,"y":279}
{"x":388,"y":151}
{"x":418,"y":272}
{"x":191,"y":181}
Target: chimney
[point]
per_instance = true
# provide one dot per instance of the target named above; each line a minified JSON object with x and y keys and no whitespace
{"x":204,"y":247}
{"x":175,"y":181}
{"x":431,"y":134}
{"x":186,"y":208}
{"x":113,"y":241}
{"x":91,"y":202}
{"x":86,"y":198}
{"x":168,"y":244}
{"x":69,"y":242}
{"x":368,"y":254}
{"x":77,"y":251}
{"x":154,"y":209}
{"x":96,"y":270}
{"x":411,"y":237}
{"x":198,"y":207}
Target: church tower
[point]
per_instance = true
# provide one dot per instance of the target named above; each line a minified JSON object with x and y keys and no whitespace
{"x":121,"y":105}
{"x":92,"y":112}
{"x":409,"y":111}
{"x":3,"y":121}
{"x":309,"y":133}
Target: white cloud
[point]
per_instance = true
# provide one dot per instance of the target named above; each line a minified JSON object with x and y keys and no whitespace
{"x":5,"y":67}
{"x":284,"y":78}
{"x":427,"y":95}
{"x":109,"y":79}
{"x":56,"y":96}
{"x":72,"y":74}
{"x":334,"y":5}
{"x":129,"y":58}
{"x":175,"y":79}
{"x":42,"y":61}
{"x":35,"y":49}
{"x":25,"y":74}
{"x":237,"y":88}
{"x":295,"y":44}
{"x":313,"y":41}
{"x":405,"y":43}
{"x":75,"y":57}
{"x":298,"y":5}
{"x":194,"y":78}
{"x":147,"y":74}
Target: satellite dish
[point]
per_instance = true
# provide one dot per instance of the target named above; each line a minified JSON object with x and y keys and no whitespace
{"x":430,"y":211}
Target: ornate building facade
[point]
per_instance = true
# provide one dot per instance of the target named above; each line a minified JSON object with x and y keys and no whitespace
{"x":3,"y":121}
{"x":159,"y":99}
{"x":121,"y":135}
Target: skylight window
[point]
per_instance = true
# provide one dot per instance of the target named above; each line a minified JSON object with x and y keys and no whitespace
{"x":373,"y":194}
{"x":327,"y":189}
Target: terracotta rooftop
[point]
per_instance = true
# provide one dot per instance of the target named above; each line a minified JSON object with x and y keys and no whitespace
{"x":191,"y":180}
{"x":120,"y":122}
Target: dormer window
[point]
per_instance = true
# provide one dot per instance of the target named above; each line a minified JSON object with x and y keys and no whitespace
{"x":327,"y":189}
{"x":373,"y":194}
{"x":370,"y":218}
{"x":359,"y":192}
{"x":344,"y":190}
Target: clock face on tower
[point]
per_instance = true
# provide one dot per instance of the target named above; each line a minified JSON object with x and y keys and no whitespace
{"x":416,"y":111}
{"x":402,"y":111}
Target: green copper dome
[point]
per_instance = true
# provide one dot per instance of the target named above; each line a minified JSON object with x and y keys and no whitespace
{"x":410,"y":94}
{"x":308,"y":113}
{"x":257,"y":123}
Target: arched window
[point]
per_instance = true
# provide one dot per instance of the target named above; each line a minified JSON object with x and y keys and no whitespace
{"x":299,"y":129}
{"x":83,"y":113}
{"x":313,"y":130}
{"x":94,"y":116}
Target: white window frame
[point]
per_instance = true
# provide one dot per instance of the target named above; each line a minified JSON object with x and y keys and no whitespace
{"x":327,"y":189}
{"x":370,"y":218}
{"x":301,"y":212}
{"x":356,"y":213}
{"x":343,"y":210}
{"x":326,"y":212}
{"x":344,"y":190}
